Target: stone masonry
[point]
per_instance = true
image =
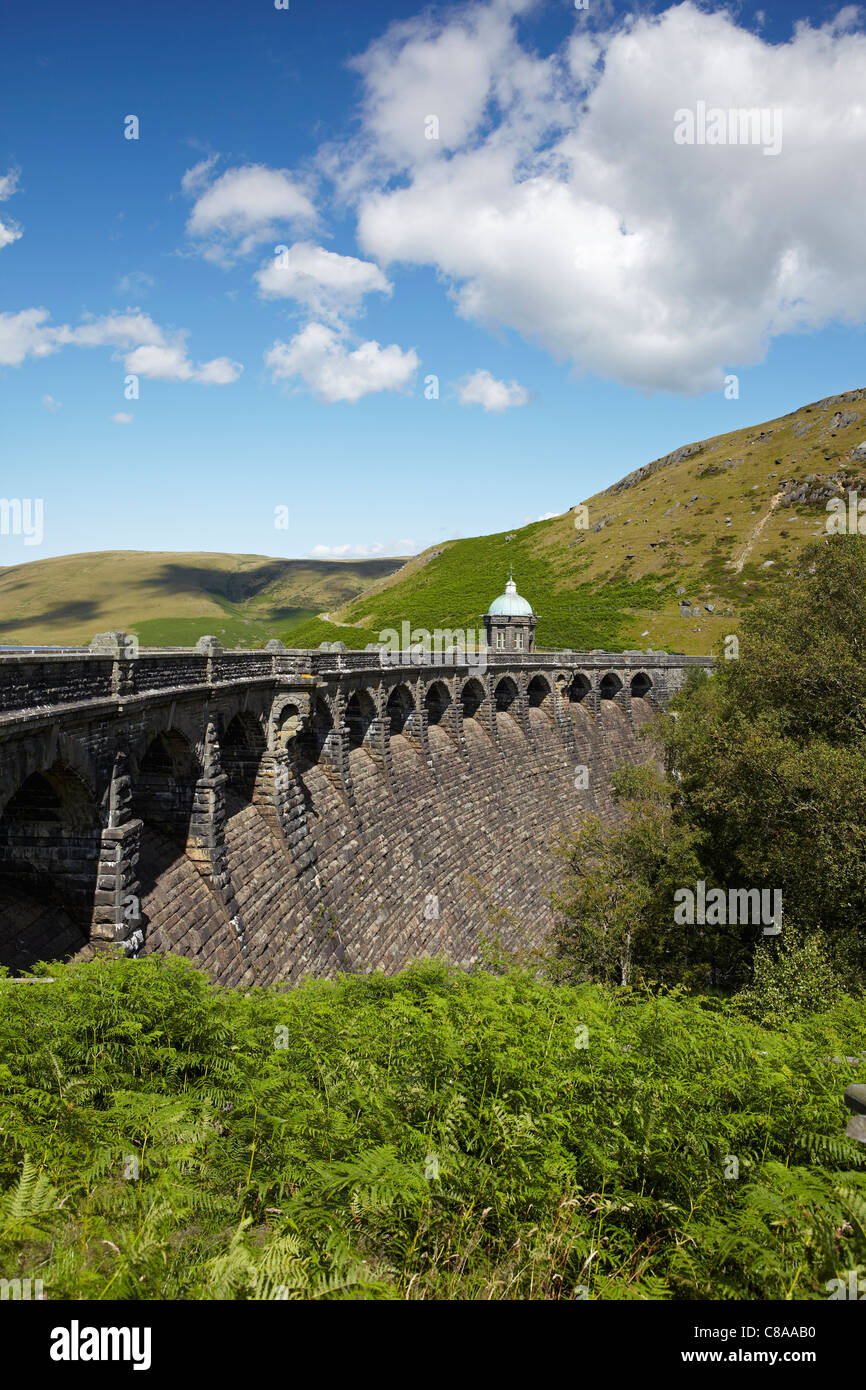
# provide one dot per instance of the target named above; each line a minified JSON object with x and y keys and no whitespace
{"x":276,"y":814}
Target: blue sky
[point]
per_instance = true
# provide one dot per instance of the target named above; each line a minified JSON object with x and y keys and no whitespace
{"x":579,"y":283}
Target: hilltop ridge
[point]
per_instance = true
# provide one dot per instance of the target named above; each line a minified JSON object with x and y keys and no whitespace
{"x":667,"y":557}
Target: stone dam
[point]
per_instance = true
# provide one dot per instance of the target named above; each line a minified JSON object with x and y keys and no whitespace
{"x":277,"y":814}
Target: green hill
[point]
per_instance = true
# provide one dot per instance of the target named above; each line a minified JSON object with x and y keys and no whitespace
{"x":172,"y":599}
{"x":705,"y":529}
{"x":668,"y":559}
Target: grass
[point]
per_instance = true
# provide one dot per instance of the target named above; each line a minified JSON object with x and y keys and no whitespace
{"x":172,"y":599}
{"x":678,"y":527}
{"x":615,"y":584}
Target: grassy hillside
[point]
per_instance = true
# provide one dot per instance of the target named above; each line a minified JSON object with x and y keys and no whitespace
{"x":705,"y":529}
{"x":172,"y":599}
{"x":669,"y":558}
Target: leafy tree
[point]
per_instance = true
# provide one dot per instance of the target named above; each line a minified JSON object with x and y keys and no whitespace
{"x":615,"y":922}
{"x":770,"y":754}
{"x":765,"y":789}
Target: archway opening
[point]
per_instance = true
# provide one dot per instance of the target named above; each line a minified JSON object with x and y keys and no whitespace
{"x":400,"y":705}
{"x":641,"y":685}
{"x":243,"y":746}
{"x":360,"y":713}
{"x":538,"y":692}
{"x":610,"y":686}
{"x":471,"y":698}
{"x":505,"y":694}
{"x":311,"y":739}
{"x":579,"y":689}
{"x":50,"y":840}
{"x":436,"y":701}
{"x":163,"y":789}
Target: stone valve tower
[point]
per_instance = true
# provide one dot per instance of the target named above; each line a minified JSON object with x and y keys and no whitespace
{"x":510,"y":622}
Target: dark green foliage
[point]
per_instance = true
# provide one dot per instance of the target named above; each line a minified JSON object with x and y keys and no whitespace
{"x":771,"y":752}
{"x":767,"y":791}
{"x":303,"y":1163}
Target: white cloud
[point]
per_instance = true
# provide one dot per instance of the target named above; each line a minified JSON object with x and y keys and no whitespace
{"x":343,"y":552}
{"x":245,"y":207}
{"x":170,"y":362}
{"x":25,"y":334}
{"x":557,"y":204}
{"x":50,"y":404}
{"x":406,"y":547}
{"x":150,"y":352}
{"x":197,"y":177}
{"x":329,"y":285}
{"x":9,"y":231}
{"x":121,"y":418}
{"x":319,"y":357}
{"x":483,"y":389}
{"x":114,"y":330}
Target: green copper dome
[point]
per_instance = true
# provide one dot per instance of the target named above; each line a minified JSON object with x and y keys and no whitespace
{"x":510,"y":604}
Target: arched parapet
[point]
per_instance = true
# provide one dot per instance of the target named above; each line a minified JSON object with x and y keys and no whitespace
{"x":541,"y":693}
{"x":400,"y":706}
{"x":641,"y":687}
{"x":612,"y":688}
{"x":438,"y":699}
{"x":243,"y":741}
{"x":361,"y":717}
{"x":581,"y":693}
{"x":477,"y":704}
{"x":289,"y":712}
{"x":22,"y":757}
{"x":509,"y":698}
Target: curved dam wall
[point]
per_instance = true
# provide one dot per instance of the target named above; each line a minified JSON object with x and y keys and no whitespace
{"x":423,"y":859}
{"x":270,"y":821}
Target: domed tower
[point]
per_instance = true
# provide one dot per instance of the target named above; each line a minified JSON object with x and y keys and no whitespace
{"x":510,"y":622}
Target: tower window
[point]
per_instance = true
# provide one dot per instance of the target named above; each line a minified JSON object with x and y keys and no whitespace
{"x":518,"y":640}
{"x":500,"y":640}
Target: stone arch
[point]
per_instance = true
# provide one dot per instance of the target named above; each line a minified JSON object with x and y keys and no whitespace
{"x":360,"y":713}
{"x":312,"y":737}
{"x":538,"y":693}
{"x":399,"y":707}
{"x":610,"y":686}
{"x":243,"y":745}
{"x":50,"y":841}
{"x":505,"y":693}
{"x":436,"y":701}
{"x":471,"y":697}
{"x":641,"y":685}
{"x":579,"y":688}
{"x":164,"y":782}
{"x":287,"y":725}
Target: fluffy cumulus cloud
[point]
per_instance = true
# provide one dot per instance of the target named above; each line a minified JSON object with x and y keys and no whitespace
{"x":557,"y":203}
{"x":146,"y":348}
{"x":321,"y":359}
{"x":481,"y":388}
{"x":243,"y":208}
{"x":9,"y":231}
{"x":326,"y":284}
